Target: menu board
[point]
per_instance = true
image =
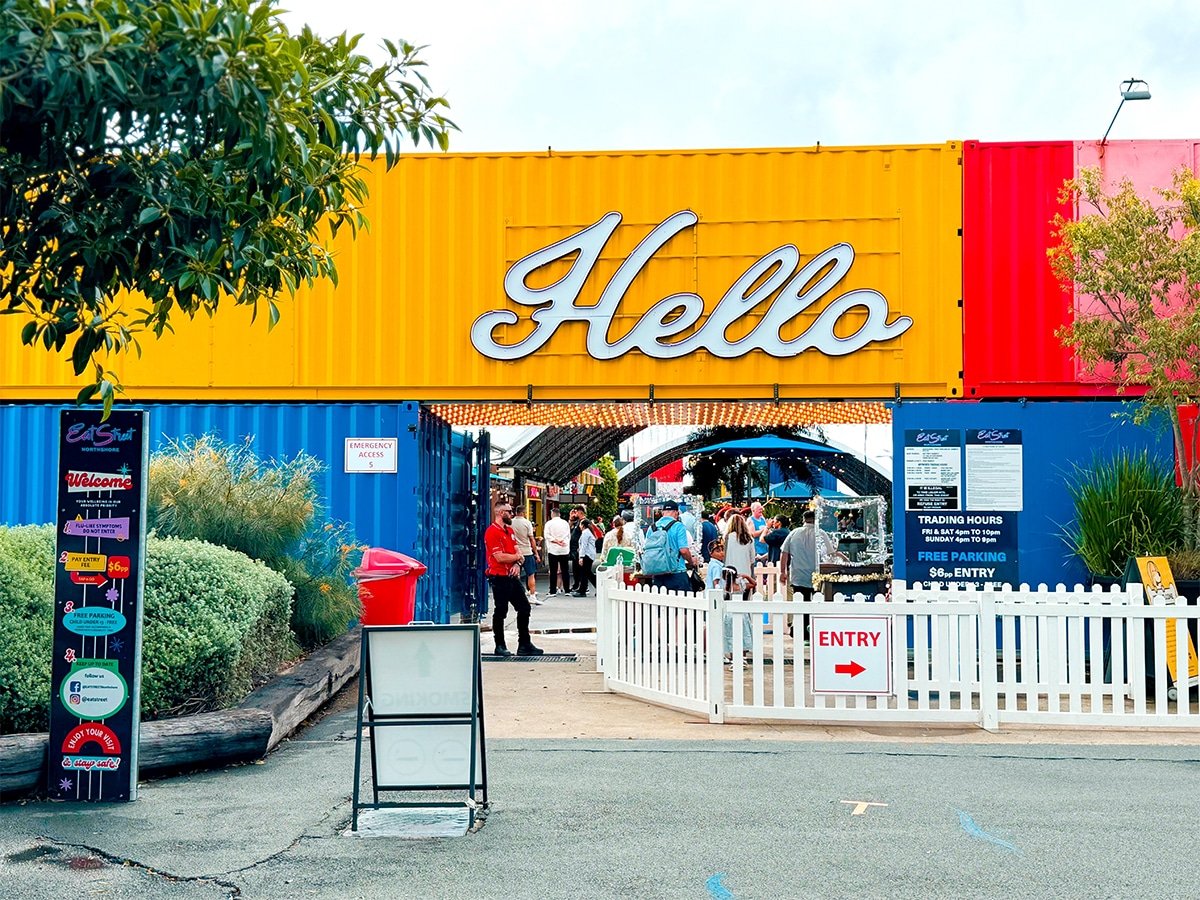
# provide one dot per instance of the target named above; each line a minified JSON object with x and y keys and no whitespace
{"x":98,"y":580}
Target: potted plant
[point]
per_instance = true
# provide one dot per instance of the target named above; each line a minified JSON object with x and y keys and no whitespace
{"x":1125,"y":506}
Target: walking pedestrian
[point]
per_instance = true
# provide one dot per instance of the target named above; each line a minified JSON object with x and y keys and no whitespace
{"x":587,"y":557}
{"x":775,"y":537}
{"x":503,"y":574}
{"x":739,"y":552}
{"x":556,"y":537}
{"x":527,"y":547}
{"x":802,"y":551}
{"x":618,"y":536}
{"x":576,"y":534}
{"x":758,"y":527}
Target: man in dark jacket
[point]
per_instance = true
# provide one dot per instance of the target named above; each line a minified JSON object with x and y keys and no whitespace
{"x":708,"y":533}
{"x":774,"y":539}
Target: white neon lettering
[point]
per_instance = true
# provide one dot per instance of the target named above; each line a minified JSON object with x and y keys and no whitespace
{"x":774,"y":274}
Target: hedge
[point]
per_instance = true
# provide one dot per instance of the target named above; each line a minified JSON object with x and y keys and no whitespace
{"x":215,"y":621}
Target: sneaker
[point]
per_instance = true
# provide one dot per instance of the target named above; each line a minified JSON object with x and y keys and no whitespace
{"x":530,"y":650}
{"x":533,"y":599}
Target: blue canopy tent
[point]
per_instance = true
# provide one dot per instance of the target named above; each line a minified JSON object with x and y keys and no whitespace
{"x":845,"y":467}
{"x":769,"y":445}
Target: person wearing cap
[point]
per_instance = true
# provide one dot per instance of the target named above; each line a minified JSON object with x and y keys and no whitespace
{"x":678,"y":541}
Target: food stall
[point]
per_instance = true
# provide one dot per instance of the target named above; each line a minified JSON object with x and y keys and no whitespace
{"x":863,"y":564}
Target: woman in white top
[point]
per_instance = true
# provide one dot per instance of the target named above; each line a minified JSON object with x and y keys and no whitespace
{"x":739,"y":551}
{"x":620,"y":535}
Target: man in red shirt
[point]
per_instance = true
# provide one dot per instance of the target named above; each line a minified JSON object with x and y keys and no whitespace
{"x":504,"y":576}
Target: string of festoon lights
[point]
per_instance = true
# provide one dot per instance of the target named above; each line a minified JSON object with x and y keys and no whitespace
{"x":726,"y":413}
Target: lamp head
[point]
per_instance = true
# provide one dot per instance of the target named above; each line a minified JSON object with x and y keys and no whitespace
{"x":1135,"y":89}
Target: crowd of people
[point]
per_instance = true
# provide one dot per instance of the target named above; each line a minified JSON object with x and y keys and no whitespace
{"x":677,"y":550}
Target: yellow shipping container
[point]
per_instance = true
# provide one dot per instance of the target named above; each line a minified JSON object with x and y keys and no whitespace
{"x":837,"y":272}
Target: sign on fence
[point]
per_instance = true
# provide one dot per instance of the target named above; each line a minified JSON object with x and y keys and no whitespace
{"x":851,"y":654}
{"x":1160,"y":589}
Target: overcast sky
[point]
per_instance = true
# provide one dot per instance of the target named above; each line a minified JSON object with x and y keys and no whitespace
{"x":756,"y":73}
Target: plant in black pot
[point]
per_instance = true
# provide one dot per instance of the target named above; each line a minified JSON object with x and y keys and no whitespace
{"x":1125,"y":506}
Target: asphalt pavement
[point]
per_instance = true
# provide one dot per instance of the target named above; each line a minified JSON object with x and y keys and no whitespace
{"x":596,"y":795}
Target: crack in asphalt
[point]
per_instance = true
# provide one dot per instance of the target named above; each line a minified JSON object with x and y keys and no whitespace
{"x":235,"y":891}
{"x":220,"y":879}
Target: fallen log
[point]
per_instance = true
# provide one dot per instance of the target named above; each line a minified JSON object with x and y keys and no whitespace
{"x":170,"y":745}
{"x":299,"y":692}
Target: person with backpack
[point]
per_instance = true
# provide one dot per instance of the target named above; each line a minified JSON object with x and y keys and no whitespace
{"x":666,"y":555}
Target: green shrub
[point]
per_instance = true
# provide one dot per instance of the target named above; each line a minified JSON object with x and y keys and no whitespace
{"x":26,"y":620}
{"x":206,"y":489}
{"x":1125,"y":506}
{"x":215,"y":622}
{"x":326,"y":602}
{"x":1185,"y":564}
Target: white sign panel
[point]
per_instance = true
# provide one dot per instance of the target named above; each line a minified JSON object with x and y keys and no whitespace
{"x":417,"y":755}
{"x":851,"y":654}
{"x":421,"y":672}
{"x":366,"y":454}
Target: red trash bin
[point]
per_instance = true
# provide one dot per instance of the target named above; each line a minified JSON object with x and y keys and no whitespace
{"x":387,"y":586}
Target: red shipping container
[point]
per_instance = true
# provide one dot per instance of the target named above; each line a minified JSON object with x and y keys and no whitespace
{"x":1012,"y":303}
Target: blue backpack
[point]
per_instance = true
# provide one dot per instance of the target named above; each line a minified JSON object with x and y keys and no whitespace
{"x":658,"y":556}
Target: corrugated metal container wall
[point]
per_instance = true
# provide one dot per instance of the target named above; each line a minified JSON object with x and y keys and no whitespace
{"x":1012,"y":303}
{"x":399,"y":511}
{"x":445,"y":229}
{"x":1056,"y":436}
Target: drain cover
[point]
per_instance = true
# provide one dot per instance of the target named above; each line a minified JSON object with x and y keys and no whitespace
{"x":545,"y":657}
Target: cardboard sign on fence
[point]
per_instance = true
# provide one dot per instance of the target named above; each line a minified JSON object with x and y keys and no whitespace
{"x":1160,"y":590}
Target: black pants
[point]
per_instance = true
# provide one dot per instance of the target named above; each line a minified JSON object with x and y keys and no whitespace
{"x":586,"y":574}
{"x":508,"y":589}
{"x":578,"y":579}
{"x":558,"y":564}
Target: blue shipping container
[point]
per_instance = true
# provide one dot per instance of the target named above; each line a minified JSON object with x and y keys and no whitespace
{"x":424,"y":509}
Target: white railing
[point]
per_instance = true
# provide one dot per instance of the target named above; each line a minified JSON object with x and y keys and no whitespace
{"x":1052,"y":656}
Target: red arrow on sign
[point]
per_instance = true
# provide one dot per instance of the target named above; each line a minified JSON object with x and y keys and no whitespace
{"x":851,"y":668}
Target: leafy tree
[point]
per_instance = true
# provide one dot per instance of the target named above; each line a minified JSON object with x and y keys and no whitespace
{"x":159,"y":155}
{"x":607,"y":493}
{"x":1137,"y":261}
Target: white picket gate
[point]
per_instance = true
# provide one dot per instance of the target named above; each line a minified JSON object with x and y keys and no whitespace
{"x":1051,"y":656}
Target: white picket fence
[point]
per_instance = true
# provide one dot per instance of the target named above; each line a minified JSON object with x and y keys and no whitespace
{"x":1051,"y":656}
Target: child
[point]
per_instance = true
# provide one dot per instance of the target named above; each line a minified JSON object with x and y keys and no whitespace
{"x":716,"y":578}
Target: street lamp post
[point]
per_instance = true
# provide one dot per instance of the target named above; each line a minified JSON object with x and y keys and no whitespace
{"x":1131,"y":89}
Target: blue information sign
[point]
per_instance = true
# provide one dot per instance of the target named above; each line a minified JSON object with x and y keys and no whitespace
{"x":955,"y":547}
